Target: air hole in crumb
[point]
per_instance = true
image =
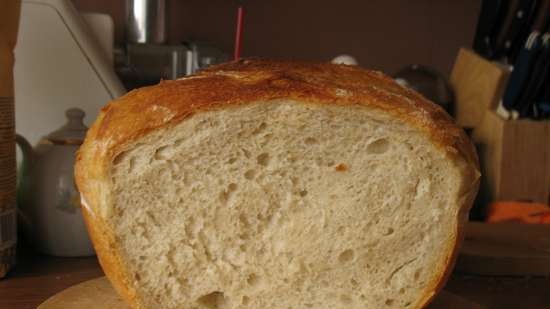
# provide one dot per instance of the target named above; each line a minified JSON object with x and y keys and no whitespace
{"x":330,"y":163}
{"x":303,"y":193}
{"x":310,"y":141}
{"x":345,"y":299}
{"x":243,"y":220}
{"x":214,"y":300}
{"x":120,"y":157}
{"x":417,"y":274}
{"x":252,"y":280}
{"x":246,"y":153}
{"x":132,"y":165}
{"x":259,"y":128}
{"x":231,"y":160}
{"x":341,"y":167}
{"x":363,"y":297}
{"x":346,"y":256}
{"x":201,"y":125}
{"x":137,"y":277}
{"x":162,"y":153}
{"x":226,"y":195}
{"x":388,"y":232}
{"x":250,"y":174}
{"x":263,"y":159}
{"x":242,"y":248}
{"x":379,"y":146}
{"x":245,"y":300}
{"x":401,"y":291}
{"x":407,"y":304}
{"x":354,"y":282}
{"x":389,"y":302}
{"x":223,"y":197}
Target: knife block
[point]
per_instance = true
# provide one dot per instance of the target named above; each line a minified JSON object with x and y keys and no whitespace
{"x":514,"y":154}
{"x":478,"y":85}
{"x":515,"y":159}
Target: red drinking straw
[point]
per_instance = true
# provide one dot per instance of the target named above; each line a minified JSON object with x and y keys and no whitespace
{"x":238,"y":33}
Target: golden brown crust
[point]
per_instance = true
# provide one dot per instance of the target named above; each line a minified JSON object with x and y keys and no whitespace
{"x":144,"y":110}
{"x":241,"y":82}
{"x":108,"y":260}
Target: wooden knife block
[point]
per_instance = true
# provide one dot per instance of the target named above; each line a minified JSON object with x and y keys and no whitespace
{"x":514,"y":154}
{"x":478,"y":85}
{"x":515,"y":158}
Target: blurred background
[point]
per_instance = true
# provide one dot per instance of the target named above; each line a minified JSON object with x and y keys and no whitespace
{"x":486,"y":62}
{"x":384,"y":35}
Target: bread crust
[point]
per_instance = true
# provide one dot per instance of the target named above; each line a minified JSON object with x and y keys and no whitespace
{"x":145,"y":110}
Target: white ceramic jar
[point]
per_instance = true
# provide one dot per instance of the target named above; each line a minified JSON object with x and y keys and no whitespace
{"x":49,"y":204}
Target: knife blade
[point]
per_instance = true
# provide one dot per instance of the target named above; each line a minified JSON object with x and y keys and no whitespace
{"x":516,"y":17}
{"x":521,"y":71}
{"x":490,"y":17}
{"x":535,"y":83}
{"x":536,"y":11}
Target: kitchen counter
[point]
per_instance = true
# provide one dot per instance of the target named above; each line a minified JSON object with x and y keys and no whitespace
{"x":38,"y":277}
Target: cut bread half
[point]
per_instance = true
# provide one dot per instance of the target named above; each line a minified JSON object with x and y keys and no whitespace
{"x":265,"y":184}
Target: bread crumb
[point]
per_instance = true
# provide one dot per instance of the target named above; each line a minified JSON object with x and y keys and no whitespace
{"x":341,"y":167}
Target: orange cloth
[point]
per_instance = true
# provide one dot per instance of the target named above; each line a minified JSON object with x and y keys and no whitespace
{"x":518,"y":212}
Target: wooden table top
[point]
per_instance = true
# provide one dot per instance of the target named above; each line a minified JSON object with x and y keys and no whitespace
{"x":36,"y":278}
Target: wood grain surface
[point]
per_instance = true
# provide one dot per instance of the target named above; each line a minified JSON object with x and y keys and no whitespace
{"x":94,"y":294}
{"x":36,"y":278}
{"x":478,"y":85}
{"x":506,"y":249}
{"x":514,"y":157}
{"x":99,"y":294}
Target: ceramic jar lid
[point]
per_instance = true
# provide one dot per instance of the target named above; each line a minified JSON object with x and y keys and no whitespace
{"x":73,"y":132}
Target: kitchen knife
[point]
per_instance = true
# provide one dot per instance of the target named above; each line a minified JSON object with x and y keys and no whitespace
{"x":535,"y":83}
{"x":490,"y":17}
{"x":543,"y":100}
{"x":521,"y":71}
{"x":515,"y":19}
{"x":536,"y":11}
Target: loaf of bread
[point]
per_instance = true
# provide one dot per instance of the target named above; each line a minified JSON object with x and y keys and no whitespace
{"x":278,"y":185}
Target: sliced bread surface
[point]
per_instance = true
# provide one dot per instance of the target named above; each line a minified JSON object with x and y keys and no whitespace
{"x":267,"y":184}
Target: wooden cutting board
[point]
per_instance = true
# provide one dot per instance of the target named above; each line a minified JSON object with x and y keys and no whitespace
{"x":505,"y":249}
{"x":99,"y":294}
